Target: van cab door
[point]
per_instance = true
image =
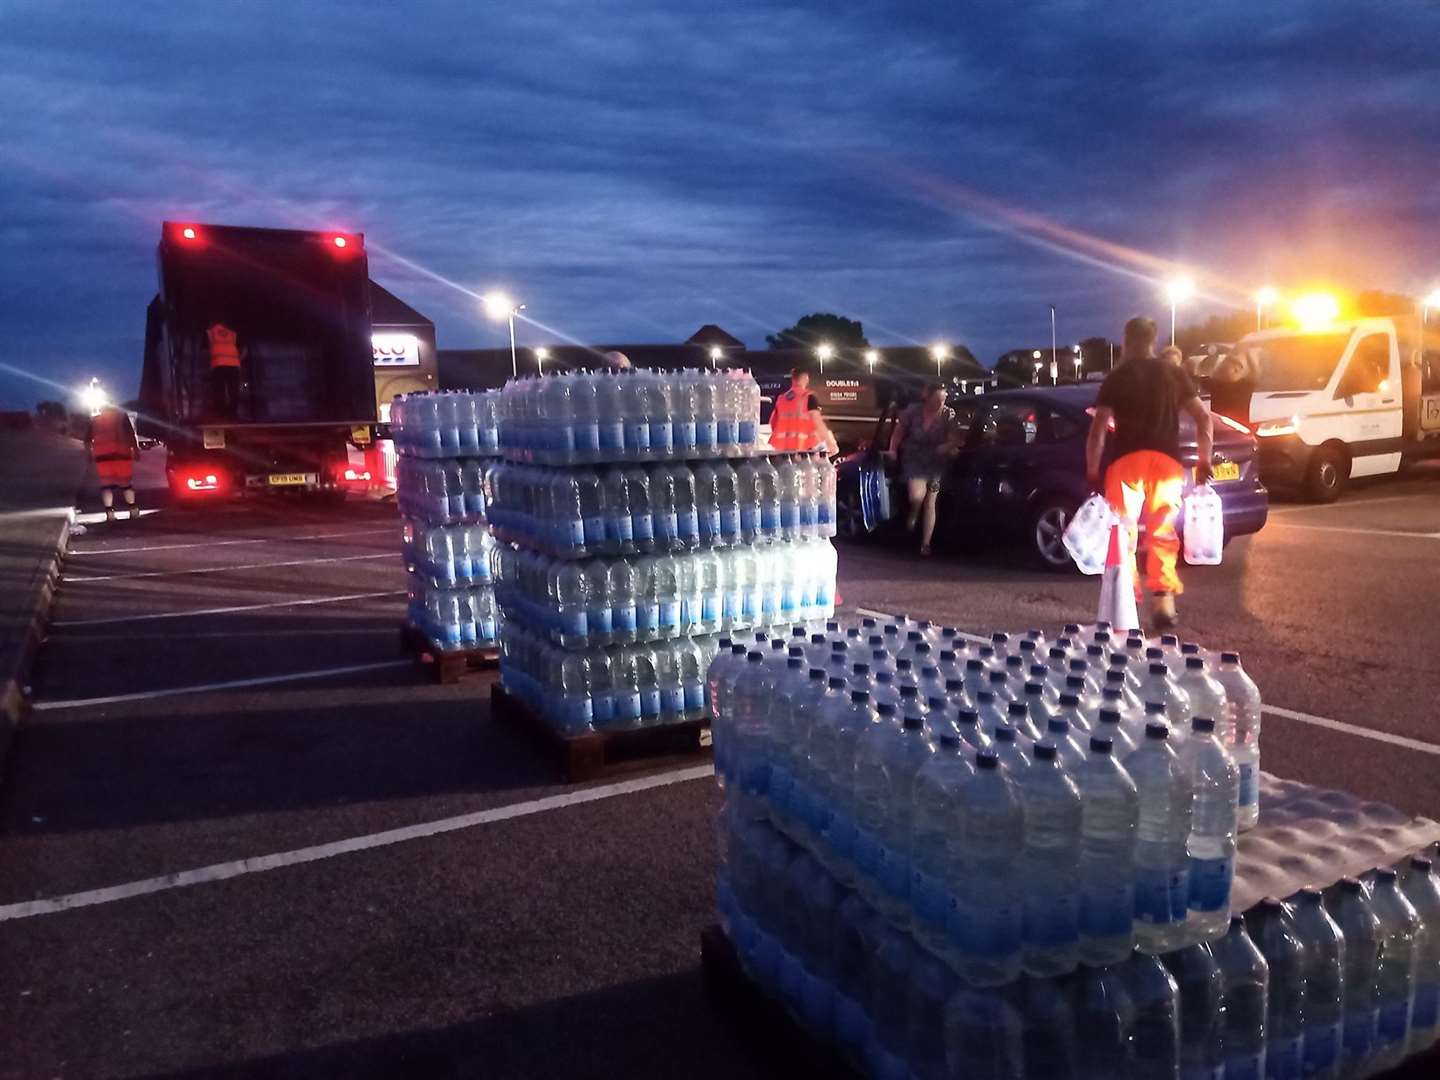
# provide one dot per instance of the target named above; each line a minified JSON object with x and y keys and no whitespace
{"x":1366,"y":413}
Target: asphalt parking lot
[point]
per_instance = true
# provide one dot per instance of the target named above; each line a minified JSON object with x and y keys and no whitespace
{"x":243,"y":836}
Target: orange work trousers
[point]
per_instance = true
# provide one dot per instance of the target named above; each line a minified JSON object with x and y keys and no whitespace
{"x":1147,"y":488}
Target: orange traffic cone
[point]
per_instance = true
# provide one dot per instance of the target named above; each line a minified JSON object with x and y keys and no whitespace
{"x":1117,"y":584}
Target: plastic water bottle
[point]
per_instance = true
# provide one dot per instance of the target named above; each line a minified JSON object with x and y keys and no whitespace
{"x":1049,"y":864}
{"x":1361,"y":929}
{"x":1110,"y":807}
{"x":1215,"y":785}
{"x":987,"y":922}
{"x":572,"y":598}
{"x":610,"y":414}
{"x":1159,"y":687}
{"x":1422,"y":889}
{"x":1324,"y":985}
{"x":1207,"y":696}
{"x":889,"y":994}
{"x":1108,"y":726}
{"x":1247,"y":985}
{"x":751,"y":700}
{"x":1156,"y":1039}
{"x":856,"y":926}
{"x":1274,"y":934}
{"x":843,"y":721}
{"x":871,"y":802}
{"x":984,"y":1033}
{"x":1067,"y":747}
{"x":576,"y":709}
{"x":1050,"y":1036}
{"x":1012,"y":756}
{"x":1395,"y":980}
{"x":1243,"y":704}
{"x":1161,"y":862}
{"x":1104,"y":1020}
{"x":932,"y":985}
{"x":1202,"y":1002}
{"x":657,"y":394}
{"x":968,"y":723}
{"x":767,"y":489}
{"x":935,"y":817}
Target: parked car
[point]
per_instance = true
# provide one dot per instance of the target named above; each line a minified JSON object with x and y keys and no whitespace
{"x":1020,"y":473}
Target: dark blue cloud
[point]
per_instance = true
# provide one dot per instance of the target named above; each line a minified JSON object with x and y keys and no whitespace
{"x":633,"y":170}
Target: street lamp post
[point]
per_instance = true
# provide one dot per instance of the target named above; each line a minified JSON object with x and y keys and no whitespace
{"x":940,"y":353}
{"x":1079,"y":362}
{"x":872,"y":356}
{"x":1176,"y":290}
{"x":824,"y":351}
{"x":500,"y":306}
{"x":1054,"y":359}
{"x":1035,"y":357}
{"x":1263,"y":299}
{"x":715,"y":355}
{"x":541,"y":355}
{"x":1430,"y":301}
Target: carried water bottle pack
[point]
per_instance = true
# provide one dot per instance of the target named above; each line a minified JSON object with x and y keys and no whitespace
{"x":583,"y":417}
{"x":442,"y":490}
{"x":927,"y":884}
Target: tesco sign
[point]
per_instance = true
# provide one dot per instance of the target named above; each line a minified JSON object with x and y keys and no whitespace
{"x":395,"y":350}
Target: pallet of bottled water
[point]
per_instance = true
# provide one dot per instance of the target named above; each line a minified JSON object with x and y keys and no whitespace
{"x":577,"y":418}
{"x":453,"y":618}
{"x":607,"y":601}
{"x":447,"y":491}
{"x":446,"y":424}
{"x":947,"y":863}
{"x":574,"y":513}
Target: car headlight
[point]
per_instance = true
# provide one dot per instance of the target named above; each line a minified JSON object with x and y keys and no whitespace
{"x":1270,"y":428}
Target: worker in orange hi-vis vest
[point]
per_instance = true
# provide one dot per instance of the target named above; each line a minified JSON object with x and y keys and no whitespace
{"x":114,"y":447}
{"x":224,"y":371}
{"x":796,"y":425}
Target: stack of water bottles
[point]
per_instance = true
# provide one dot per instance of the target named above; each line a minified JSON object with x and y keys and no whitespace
{"x":576,"y":418}
{"x":1014,"y":858}
{"x":633,"y":542}
{"x":446,"y":442}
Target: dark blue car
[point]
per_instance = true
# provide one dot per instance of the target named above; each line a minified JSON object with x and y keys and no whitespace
{"x":1020,"y":474}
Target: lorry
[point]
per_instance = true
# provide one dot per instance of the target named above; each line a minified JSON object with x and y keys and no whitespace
{"x":1348,"y":399}
{"x":295,"y":306}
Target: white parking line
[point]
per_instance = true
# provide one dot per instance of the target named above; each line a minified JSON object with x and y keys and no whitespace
{"x":1356,"y":529}
{"x":223,"y":871}
{"x":221,"y":569}
{"x":231,"y":684}
{"x":229,"y":543}
{"x":1350,"y":503}
{"x":1275,"y":710}
{"x":149,"y":616}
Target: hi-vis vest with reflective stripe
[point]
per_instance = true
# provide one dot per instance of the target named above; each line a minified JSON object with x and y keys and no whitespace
{"x":223,"y":352}
{"x":110,"y":435}
{"x":791,"y":428}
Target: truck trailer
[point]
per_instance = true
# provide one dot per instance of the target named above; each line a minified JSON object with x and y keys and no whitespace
{"x":258,"y":372}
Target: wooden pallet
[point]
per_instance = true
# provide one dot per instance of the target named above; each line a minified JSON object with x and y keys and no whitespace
{"x":447,"y":665}
{"x":604,"y":753}
{"x":796,"y":1052}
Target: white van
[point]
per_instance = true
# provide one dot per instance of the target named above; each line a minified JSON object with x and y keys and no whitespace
{"x":1355,"y":398}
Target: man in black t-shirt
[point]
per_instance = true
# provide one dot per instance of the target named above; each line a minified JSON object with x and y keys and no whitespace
{"x":1142,"y":400}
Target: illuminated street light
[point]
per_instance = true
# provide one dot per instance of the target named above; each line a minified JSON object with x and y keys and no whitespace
{"x":499,"y":306}
{"x":1177,"y":290}
{"x":1079,"y":362}
{"x":715,"y":354}
{"x":541,"y":355}
{"x":824,"y":351}
{"x":1431,"y":301}
{"x":1315,"y":311}
{"x":1265,"y":298}
{"x":93,"y":397}
{"x":940,"y":353}
{"x":872,"y":357}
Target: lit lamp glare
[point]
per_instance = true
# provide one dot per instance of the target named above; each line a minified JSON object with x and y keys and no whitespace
{"x":872,"y":357}
{"x":93,"y":397}
{"x":500,"y":306}
{"x":715,"y":354}
{"x":1315,"y":311}
{"x":1265,"y":298}
{"x":824,"y":351}
{"x":940,"y":353}
{"x":541,"y":355}
{"x":1178,"y":290}
{"x":1430,"y":303}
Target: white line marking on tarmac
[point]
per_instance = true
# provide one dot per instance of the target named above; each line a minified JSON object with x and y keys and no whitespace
{"x":228,"y":543}
{"x":231,"y":684}
{"x":223,"y":871}
{"x":1358,"y":529}
{"x":221,"y":569}
{"x":225,"y":610}
{"x":1287,"y":714}
{"x":1350,"y":503}
{"x":97,"y":517}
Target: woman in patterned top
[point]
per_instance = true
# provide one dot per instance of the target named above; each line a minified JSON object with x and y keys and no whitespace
{"x":926,"y":438}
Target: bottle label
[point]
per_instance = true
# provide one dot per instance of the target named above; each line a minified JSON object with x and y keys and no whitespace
{"x":770,"y":517}
{"x":1051,"y":922}
{"x":572,"y":624}
{"x":627,"y":706}
{"x":603,"y":709}
{"x":575,"y":533}
{"x":579,"y":712}
{"x":619,"y":530}
{"x":710,"y":607}
{"x":749,"y":518}
{"x":1245,"y":1067}
{"x":662,"y":436}
{"x":650,"y":701}
{"x":989,"y":932}
{"x":1359,"y":1036}
{"x":1322,"y":1048}
{"x":705,"y":434}
{"x":789,"y":516}
{"x":866,"y":848}
{"x":685,"y":432}
{"x":694,"y":696}
{"x":612,"y":435}
{"x":643,"y":528}
{"x":709,"y":523}
{"x":587,"y":437}
{"x":893,"y":873}
{"x":1154,"y":889}
{"x":1394,"y":1024}
{"x":670,"y":613}
{"x":1282,"y":1058}
{"x":672,"y":700}
{"x":1427,"y":1003}
{"x":1210,"y":881}
{"x":1249,"y":783}
{"x":929,"y":898}
{"x":637,"y":435}
{"x":689,"y":525}
{"x":594,"y":530}
{"x":600,"y":621}
{"x":625,"y":619}
{"x":648,"y":616}
{"x":747,"y":432}
{"x":729,"y":521}
{"x":1108,"y":910}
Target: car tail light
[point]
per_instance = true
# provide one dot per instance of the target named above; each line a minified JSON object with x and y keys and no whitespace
{"x":342,"y":243}
{"x":357,"y":474}
{"x":203,"y":482}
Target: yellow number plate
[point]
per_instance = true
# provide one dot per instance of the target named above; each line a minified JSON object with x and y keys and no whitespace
{"x":284,"y":478}
{"x":1225,"y":470}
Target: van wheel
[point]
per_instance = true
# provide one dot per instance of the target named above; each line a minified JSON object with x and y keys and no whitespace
{"x":1328,"y":474}
{"x":1047,"y":532}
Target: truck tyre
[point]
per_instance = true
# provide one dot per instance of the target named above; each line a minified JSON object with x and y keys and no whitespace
{"x":1048,"y":522}
{"x":1328,"y":474}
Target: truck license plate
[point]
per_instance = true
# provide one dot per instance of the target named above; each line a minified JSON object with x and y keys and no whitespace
{"x":288,"y":478}
{"x":1225,"y":470}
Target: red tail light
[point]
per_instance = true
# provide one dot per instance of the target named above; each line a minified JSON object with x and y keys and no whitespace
{"x":202,"y":482}
{"x":357,"y":474}
{"x":342,"y":243}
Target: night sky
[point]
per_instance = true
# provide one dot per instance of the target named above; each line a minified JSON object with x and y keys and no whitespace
{"x":633,"y":170}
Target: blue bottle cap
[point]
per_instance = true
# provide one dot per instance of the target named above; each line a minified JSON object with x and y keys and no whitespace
{"x":1154,"y":708}
{"x":1156,"y":731}
{"x":1059,"y":725}
{"x":1018,"y":708}
{"x":967,"y":716}
{"x":986,"y":759}
{"x":1044,"y":751}
{"x":1110,"y":716}
{"x":1203,"y":725}
{"x":794,"y":663}
{"x":886,"y":708}
{"x":954,"y":686}
{"x":1034,"y":689}
{"x":912,"y":722}
{"x":1099,"y":744}
{"x":1070,"y":701}
{"x":1004,"y":733}
{"x":859,"y":696}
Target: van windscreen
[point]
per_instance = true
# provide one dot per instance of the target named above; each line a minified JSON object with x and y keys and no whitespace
{"x":1302,"y":362}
